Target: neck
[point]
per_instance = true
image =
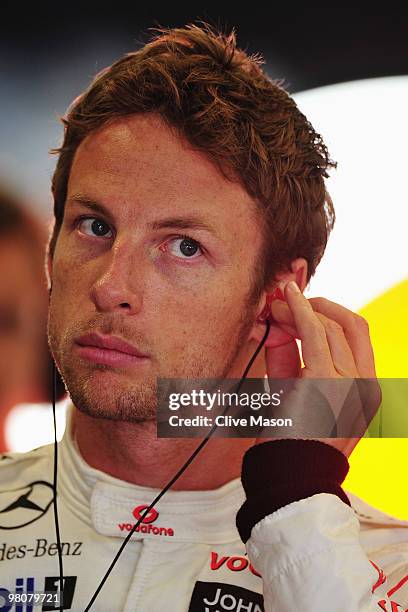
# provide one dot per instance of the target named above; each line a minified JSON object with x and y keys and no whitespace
{"x":133,"y":453}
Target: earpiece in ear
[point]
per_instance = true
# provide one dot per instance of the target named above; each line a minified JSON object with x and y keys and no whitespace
{"x":266,"y":312}
{"x":277,"y":294}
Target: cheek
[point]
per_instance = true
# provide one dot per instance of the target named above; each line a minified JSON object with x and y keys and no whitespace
{"x":68,"y":295}
{"x":200,"y":317}
{"x":69,"y":274}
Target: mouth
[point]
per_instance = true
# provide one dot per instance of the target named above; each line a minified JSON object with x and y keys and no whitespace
{"x":108,"y":350}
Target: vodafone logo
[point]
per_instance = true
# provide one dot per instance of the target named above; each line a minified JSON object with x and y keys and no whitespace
{"x":234,"y":564}
{"x":150,"y":517}
{"x":146,"y":526}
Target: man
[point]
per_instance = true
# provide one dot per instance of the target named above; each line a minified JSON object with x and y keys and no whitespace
{"x":189,"y":188}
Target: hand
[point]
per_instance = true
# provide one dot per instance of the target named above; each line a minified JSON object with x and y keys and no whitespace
{"x":335,"y":345}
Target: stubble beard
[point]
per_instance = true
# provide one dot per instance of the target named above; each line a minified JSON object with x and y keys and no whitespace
{"x":96,"y":396}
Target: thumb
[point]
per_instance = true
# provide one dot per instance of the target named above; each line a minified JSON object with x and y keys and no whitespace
{"x":283,"y":361}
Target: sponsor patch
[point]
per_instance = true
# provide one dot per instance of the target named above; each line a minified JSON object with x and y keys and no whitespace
{"x":146,"y":525}
{"x":25,"y":505}
{"x":232,"y":563}
{"x":27,"y":585}
{"x":218,"y":596}
{"x":37,"y":548}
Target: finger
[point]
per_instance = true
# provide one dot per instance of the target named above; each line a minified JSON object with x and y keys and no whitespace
{"x":356,"y":331}
{"x":283,"y":361}
{"x":315,"y":348}
{"x":277,"y":336}
{"x":283,"y":316}
{"x":340,"y":350}
{"x":362,"y":354}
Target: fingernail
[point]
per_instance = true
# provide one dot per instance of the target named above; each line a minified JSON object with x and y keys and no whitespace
{"x":292,"y":286}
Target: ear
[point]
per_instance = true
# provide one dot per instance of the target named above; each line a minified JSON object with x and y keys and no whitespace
{"x":48,"y":269}
{"x":52,"y":241}
{"x":298,"y":273}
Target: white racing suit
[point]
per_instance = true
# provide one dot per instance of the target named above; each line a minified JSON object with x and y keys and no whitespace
{"x":315,"y":554}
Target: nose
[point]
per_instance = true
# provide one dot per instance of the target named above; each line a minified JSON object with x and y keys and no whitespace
{"x":119,"y":284}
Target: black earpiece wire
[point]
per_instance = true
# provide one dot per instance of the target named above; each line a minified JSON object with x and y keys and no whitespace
{"x":156,"y":499}
{"x":54,"y":487}
{"x":55,"y":475}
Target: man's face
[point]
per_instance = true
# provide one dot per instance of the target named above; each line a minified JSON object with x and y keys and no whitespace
{"x":157,"y":249}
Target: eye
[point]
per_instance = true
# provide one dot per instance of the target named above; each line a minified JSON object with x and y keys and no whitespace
{"x":184,"y":247}
{"x":92,"y":226}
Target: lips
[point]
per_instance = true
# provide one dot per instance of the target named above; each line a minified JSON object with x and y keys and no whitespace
{"x":108,"y":342}
{"x":108,"y":350}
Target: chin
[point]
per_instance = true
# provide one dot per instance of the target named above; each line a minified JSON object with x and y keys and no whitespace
{"x":122,"y":408}
{"x":105,"y":395}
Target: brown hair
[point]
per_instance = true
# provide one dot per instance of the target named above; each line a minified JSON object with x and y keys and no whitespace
{"x":222,"y":102}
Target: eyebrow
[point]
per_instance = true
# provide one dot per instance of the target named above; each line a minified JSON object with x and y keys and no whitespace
{"x":181,"y":222}
{"x":91,"y":204}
